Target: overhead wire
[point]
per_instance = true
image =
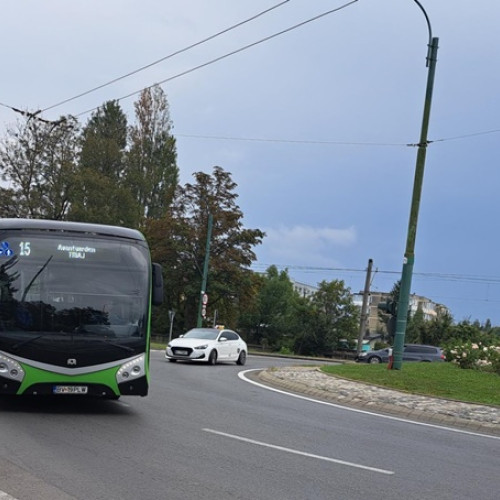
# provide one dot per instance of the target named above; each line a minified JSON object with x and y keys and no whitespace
{"x":455,"y":277}
{"x":169,"y":56}
{"x":229,"y":54}
{"x":34,"y":115}
{"x":290,"y":141}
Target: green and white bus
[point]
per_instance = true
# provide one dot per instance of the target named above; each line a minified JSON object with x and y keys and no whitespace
{"x":75,"y":309}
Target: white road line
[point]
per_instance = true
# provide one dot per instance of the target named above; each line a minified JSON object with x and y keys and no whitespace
{"x":297,"y":452}
{"x":242,"y":376}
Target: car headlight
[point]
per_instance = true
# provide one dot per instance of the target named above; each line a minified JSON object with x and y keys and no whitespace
{"x":204,"y":346}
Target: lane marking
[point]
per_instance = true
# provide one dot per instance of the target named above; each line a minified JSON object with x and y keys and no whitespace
{"x":301,"y":453}
{"x":242,"y":376}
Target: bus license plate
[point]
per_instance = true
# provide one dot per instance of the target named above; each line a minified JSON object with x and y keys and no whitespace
{"x":70,"y":389}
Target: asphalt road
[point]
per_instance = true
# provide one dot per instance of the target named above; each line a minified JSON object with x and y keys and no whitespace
{"x":205,"y":433}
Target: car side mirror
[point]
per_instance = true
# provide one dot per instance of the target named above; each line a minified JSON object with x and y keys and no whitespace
{"x":223,"y":339}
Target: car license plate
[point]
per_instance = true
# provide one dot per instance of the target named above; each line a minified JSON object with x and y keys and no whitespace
{"x":70,"y":389}
{"x":182,"y":352}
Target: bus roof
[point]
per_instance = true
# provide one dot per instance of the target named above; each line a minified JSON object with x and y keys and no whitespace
{"x":67,"y":226}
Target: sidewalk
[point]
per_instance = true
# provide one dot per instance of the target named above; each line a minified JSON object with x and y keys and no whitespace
{"x":316,"y":384}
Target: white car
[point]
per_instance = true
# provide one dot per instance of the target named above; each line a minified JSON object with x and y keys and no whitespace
{"x":208,"y":344}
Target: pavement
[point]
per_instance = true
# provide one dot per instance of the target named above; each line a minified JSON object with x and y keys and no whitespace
{"x":312,"y":382}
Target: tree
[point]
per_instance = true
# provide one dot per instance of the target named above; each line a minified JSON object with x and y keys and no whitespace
{"x":416,"y":326}
{"x":152,"y":173}
{"x":102,"y":195}
{"x":335,"y":318}
{"x":437,"y":330}
{"x":274,"y":320}
{"x":38,"y":160}
{"x":183,"y":231}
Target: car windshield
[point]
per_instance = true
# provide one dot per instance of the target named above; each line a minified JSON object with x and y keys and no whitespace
{"x":202,"y":333}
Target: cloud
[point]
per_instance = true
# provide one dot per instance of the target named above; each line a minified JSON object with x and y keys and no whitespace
{"x":305,"y":244}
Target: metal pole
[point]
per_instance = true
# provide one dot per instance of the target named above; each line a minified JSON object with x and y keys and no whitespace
{"x":171,"y":315}
{"x":205,"y":270}
{"x":364,"y":307}
{"x":409,"y":257}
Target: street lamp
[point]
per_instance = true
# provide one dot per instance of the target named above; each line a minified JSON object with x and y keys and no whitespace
{"x":409,"y":256}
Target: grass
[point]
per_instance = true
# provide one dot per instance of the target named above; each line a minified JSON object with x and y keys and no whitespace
{"x":159,"y":347}
{"x":444,"y":380}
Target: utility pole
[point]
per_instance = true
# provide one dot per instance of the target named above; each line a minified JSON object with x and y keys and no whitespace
{"x":409,"y":257}
{"x":364,"y":307}
{"x":171,"y":315}
{"x":205,"y":273}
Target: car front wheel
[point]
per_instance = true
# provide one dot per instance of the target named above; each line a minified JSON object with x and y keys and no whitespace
{"x":374,"y":359}
{"x":212,"y":359}
{"x":242,"y":358}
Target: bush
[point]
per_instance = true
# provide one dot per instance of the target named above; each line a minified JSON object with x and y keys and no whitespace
{"x":475,"y":355}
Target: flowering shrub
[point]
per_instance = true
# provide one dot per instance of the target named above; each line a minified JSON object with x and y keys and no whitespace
{"x":475,"y":355}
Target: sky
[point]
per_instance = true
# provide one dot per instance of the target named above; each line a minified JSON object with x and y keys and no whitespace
{"x":316,"y":125}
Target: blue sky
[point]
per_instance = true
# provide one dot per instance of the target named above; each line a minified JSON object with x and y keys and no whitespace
{"x":314,"y":125}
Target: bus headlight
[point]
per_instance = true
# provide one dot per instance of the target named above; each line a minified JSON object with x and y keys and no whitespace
{"x":9,"y":368}
{"x":131,"y":369}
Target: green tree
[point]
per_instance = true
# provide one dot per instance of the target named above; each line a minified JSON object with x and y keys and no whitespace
{"x":438,"y":330}
{"x":335,"y":317}
{"x":102,"y":194}
{"x":415,"y":328}
{"x":276,"y":300}
{"x":152,"y":173}
{"x":38,"y":160}
{"x":184,"y":232}
{"x":466,"y":331}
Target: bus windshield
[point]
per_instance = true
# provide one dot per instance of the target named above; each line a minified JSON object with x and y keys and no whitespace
{"x":73,"y":290}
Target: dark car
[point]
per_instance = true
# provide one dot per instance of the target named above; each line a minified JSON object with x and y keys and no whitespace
{"x":411,"y":352}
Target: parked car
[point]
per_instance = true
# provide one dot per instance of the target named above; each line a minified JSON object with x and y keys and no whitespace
{"x":208,"y":344}
{"x":411,"y":352}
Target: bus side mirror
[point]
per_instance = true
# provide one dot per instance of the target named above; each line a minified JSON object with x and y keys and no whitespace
{"x":157,"y":292}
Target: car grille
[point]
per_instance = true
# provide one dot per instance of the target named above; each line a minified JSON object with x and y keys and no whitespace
{"x":182,"y":351}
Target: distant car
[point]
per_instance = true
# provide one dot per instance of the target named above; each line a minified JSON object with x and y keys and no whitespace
{"x":411,"y":352}
{"x":208,"y":344}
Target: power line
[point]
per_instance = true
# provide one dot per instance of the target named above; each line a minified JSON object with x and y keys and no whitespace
{"x":282,"y":141}
{"x":169,"y":56}
{"x":229,"y":54}
{"x":334,"y":143}
{"x":467,"y":136}
{"x":453,"y":277}
{"x":290,"y":141}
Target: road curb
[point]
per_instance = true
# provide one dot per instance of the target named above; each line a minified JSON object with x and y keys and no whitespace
{"x":342,"y":398}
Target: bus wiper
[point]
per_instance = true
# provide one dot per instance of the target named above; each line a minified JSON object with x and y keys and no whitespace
{"x":30,"y":284}
{"x":32,"y":339}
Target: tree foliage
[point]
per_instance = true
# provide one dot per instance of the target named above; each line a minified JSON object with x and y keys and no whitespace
{"x":38,"y":161}
{"x":152,"y":172}
{"x":273,"y":321}
{"x":335,"y":318}
{"x":102,"y":195}
{"x":184,"y":232}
